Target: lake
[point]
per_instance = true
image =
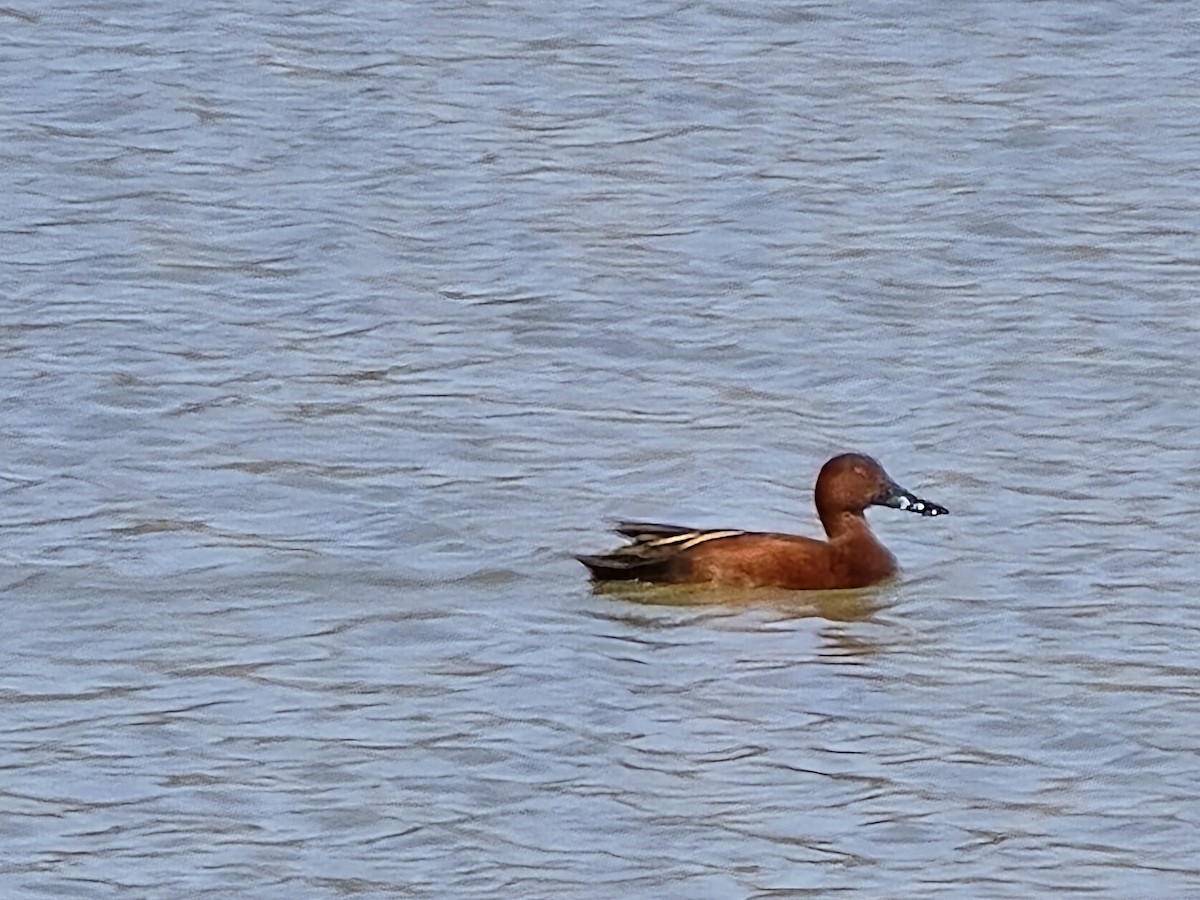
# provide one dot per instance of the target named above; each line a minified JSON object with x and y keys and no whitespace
{"x":329,"y":332}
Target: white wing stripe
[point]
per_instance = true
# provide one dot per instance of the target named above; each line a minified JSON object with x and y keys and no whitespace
{"x":691,"y":540}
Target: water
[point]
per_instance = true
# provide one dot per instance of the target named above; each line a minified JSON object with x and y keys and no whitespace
{"x":327,"y":334}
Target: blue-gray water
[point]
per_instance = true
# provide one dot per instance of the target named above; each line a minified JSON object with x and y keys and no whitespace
{"x":328,"y":332}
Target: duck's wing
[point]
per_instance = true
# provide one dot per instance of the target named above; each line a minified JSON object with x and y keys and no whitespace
{"x":640,"y":531}
{"x":652,"y":551}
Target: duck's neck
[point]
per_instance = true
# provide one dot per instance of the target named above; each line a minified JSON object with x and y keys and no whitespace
{"x":845,"y":525}
{"x":854,"y":547}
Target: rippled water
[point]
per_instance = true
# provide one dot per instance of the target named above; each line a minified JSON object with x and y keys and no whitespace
{"x":327,"y":334}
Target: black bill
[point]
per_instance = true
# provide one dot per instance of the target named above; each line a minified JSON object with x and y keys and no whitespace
{"x":898,"y":498}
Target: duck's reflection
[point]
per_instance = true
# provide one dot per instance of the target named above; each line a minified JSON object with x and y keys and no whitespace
{"x":835,"y":613}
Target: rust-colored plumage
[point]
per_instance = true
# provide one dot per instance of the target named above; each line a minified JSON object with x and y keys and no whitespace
{"x":852,"y":557}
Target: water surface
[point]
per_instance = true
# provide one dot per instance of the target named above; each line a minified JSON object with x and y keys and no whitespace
{"x":327,"y":335}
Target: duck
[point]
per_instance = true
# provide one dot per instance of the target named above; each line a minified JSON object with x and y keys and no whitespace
{"x":850,"y":557}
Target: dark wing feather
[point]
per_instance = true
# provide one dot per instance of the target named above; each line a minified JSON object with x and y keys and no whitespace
{"x":650,"y":530}
{"x":655,"y":552}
